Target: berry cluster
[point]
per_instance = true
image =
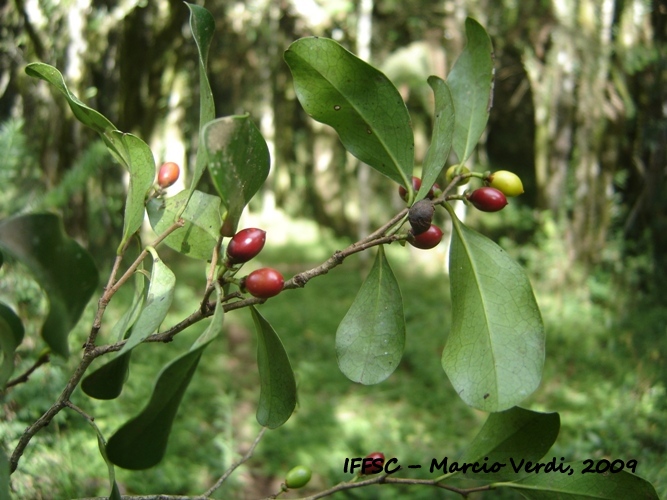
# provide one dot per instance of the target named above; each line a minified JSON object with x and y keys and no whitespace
{"x":492,"y":197}
{"x":244,"y":246}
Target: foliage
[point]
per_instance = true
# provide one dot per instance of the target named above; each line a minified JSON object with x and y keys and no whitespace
{"x":495,"y":350}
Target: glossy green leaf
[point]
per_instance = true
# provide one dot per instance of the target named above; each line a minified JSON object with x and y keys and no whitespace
{"x":202,"y":25}
{"x":471,"y":84}
{"x":441,"y":140}
{"x":158,"y":300}
{"x":141,"y":442}
{"x":371,"y":338}
{"x":129,"y":150}
{"x":514,"y":434}
{"x":238,"y":160}
{"x":337,"y":88}
{"x":199,"y":235}
{"x":107,"y":381}
{"x":277,"y":398}
{"x":11,"y":336}
{"x":140,"y":163}
{"x":577,"y":486}
{"x":65,"y":271}
{"x":495,"y":350}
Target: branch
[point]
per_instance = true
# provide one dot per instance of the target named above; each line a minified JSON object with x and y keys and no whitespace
{"x":43,"y":359}
{"x":45,"y":419}
{"x":91,"y":351}
{"x":236,"y":465}
{"x":150,"y":497}
{"x":384,"y":479}
{"x":112,"y":287}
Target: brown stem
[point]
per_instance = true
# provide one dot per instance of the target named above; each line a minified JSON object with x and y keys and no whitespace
{"x":236,"y":465}
{"x":45,"y":419}
{"x":92,"y":352}
{"x":89,"y":355}
{"x":43,"y":359}
{"x":384,"y":479}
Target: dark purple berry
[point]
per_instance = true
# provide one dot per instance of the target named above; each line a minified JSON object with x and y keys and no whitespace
{"x":245,"y":245}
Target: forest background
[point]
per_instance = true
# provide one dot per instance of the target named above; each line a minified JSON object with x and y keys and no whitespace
{"x":578,"y":112}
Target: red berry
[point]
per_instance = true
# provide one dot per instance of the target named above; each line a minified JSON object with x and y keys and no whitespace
{"x":416,"y":184}
{"x":487,"y":199}
{"x":245,"y":245}
{"x":168,"y":174}
{"x":373,"y":463}
{"x":428,"y":239}
{"x":264,"y":283}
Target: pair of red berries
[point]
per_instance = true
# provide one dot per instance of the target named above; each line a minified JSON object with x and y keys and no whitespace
{"x":246,"y":245}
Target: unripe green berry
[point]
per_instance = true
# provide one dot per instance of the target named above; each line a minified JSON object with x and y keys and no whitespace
{"x":298,"y":477}
{"x":450,"y":174}
{"x":508,"y":182}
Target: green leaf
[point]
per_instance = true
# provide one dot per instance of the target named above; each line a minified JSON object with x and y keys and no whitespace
{"x":371,"y":338}
{"x":129,"y":150}
{"x":86,"y":115}
{"x":139,"y":161}
{"x":107,"y":381}
{"x":337,"y":88}
{"x":441,"y":140}
{"x":238,"y":160}
{"x":158,"y":301}
{"x":202,"y":25}
{"x":471,"y":84}
{"x":199,"y":235}
{"x":516,"y":433}
{"x":574,"y":485}
{"x":141,"y":442}
{"x":495,"y":351}
{"x":65,"y":271}
{"x":277,"y":398}
{"x":11,"y":336}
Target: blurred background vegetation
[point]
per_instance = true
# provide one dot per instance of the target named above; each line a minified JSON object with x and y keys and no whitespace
{"x":579,"y":113}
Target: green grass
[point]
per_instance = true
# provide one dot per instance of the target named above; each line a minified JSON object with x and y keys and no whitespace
{"x":604,"y":374}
